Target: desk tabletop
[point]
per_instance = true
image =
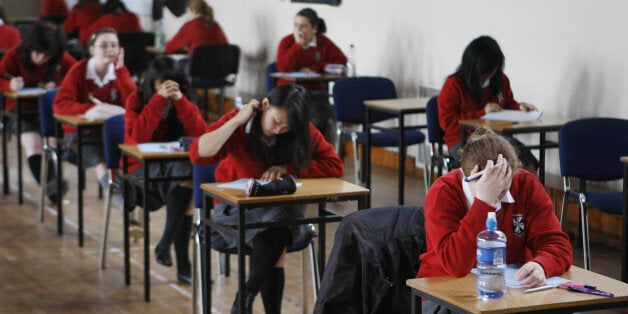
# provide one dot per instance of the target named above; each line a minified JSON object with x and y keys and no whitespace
{"x":543,"y":124}
{"x":136,"y":153}
{"x":18,"y":95}
{"x":624,"y":159}
{"x":461,"y":292}
{"x":155,"y":50}
{"x":291,"y":76}
{"x":311,"y":188}
{"x":399,"y":104}
{"x":77,"y":120}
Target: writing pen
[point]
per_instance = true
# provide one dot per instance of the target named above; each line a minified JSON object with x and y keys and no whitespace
{"x":590,"y":291}
{"x":541,"y":288}
{"x":477,"y":175}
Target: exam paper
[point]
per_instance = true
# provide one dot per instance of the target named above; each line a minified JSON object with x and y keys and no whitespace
{"x":159,"y":147}
{"x":511,"y":282}
{"x":27,"y":91}
{"x":241,"y":184}
{"x":513,"y":115}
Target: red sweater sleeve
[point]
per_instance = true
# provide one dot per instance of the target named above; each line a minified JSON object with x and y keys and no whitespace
{"x":287,"y":54}
{"x":180,"y":39}
{"x":333,"y":54}
{"x":67,"y":100}
{"x":10,"y":64}
{"x":125,"y":84}
{"x":141,"y":121}
{"x":193,"y":123}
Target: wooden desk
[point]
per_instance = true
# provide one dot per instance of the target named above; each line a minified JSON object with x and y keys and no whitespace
{"x":624,"y":225}
{"x":132,"y":151}
{"x":541,"y":126}
{"x":315,"y":190}
{"x":81,"y":124}
{"x":400,"y":107}
{"x":325,"y":77}
{"x":459,"y":294}
{"x":16,"y":114}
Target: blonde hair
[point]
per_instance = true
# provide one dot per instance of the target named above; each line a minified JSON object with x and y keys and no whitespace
{"x":484,"y":145}
{"x":202,"y":8}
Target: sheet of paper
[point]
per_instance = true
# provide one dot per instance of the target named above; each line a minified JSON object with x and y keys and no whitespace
{"x":27,"y":91}
{"x":513,"y":115}
{"x":241,"y":184}
{"x":511,"y":282}
{"x":301,"y":74}
{"x":159,"y":147}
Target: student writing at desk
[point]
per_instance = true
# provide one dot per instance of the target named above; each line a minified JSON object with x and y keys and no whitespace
{"x":160,"y":112}
{"x":202,"y":29}
{"x":9,"y":35}
{"x":456,"y":210}
{"x":96,"y":87}
{"x":281,"y":141}
{"x":477,"y":87}
{"x":308,"y":50}
{"x":39,"y":61}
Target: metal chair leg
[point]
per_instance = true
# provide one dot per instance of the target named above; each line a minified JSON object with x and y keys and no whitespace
{"x":43,"y":179}
{"x":105,"y":226}
{"x":356,"y":159}
{"x":584,"y":216}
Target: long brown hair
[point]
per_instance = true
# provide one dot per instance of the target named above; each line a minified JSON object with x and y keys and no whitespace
{"x":202,"y":8}
{"x":484,"y":144}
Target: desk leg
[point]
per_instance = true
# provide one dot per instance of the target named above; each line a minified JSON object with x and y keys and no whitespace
{"x":125,"y":215}
{"x":5,"y":162}
{"x":624,"y":230}
{"x":402,"y":159}
{"x":81,"y":184}
{"x":321,"y":241}
{"x":366,"y":172}
{"x":20,"y":186}
{"x":146,"y":236}
{"x":241,"y":271}
{"x":59,"y":150}
{"x":206,"y":265}
{"x":416,"y":306}
{"x":543,"y":142}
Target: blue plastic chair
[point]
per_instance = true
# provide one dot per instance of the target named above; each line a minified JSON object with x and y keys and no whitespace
{"x":439,"y":159}
{"x":113,"y":135}
{"x":47,"y":122}
{"x":349,"y":96}
{"x":205,"y":174}
{"x":590,"y":150}
{"x":271,"y":81}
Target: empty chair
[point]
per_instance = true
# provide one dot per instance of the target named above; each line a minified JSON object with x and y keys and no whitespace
{"x":214,"y":66}
{"x":590,"y":150}
{"x":349,"y":96}
{"x":136,"y":58}
{"x":438,"y":158}
{"x":271,"y":81}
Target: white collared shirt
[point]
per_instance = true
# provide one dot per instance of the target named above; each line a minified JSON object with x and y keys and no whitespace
{"x":470,"y":198}
{"x":92,"y":75}
{"x":311,"y":44}
{"x":1,"y":22}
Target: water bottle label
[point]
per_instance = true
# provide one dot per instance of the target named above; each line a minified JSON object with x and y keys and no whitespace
{"x":491,"y":256}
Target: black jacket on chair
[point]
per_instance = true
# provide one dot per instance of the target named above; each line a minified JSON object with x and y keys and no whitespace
{"x":375,"y":251}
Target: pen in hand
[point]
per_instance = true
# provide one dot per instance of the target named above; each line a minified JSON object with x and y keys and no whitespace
{"x":477,"y":175}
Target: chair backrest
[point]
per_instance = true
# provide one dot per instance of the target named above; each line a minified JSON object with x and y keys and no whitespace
{"x":202,"y":174}
{"x":349,"y":96}
{"x":215,"y":65}
{"x":434,"y":132}
{"x":2,"y":53}
{"x":271,"y":81}
{"x":136,"y":58}
{"x":113,"y":135}
{"x":46,"y":118}
{"x":590,"y":148}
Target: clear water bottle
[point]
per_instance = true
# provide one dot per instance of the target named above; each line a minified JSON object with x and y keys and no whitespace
{"x":491,"y":261}
{"x":351,"y":61}
{"x":160,"y":36}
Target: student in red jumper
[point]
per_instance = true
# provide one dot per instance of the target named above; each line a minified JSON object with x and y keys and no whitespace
{"x":39,"y":61}
{"x":82,"y":15}
{"x":116,"y":16}
{"x":456,"y":211}
{"x":201,"y":30}
{"x":9,"y":35}
{"x":162,"y":111}
{"x":279,"y":141}
{"x":477,"y":87}
{"x":308,"y":50}
{"x":55,"y":9}
{"x":98,"y":88}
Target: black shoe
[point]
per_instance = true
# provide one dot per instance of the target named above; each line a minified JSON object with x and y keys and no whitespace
{"x":52,"y":189}
{"x":184,"y":278}
{"x":184,"y":273}
{"x":163,"y":258}
{"x":248,"y":303}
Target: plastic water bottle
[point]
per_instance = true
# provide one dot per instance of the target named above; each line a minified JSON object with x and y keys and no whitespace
{"x":160,"y":36}
{"x":491,"y":261}
{"x":351,"y":61}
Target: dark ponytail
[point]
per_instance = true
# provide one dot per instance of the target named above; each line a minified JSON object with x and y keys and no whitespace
{"x":316,"y":21}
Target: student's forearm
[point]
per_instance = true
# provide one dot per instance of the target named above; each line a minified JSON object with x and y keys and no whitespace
{"x":210,"y":143}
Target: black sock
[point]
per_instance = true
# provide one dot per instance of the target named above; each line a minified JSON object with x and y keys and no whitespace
{"x":34,"y":162}
{"x":272,"y":290}
{"x":176,"y":206}
{"x":267,"y":248}
{"x":181,"y":245}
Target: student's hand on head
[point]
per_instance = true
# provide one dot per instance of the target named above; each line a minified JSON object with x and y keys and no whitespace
{"x":120,"y":61}
{"x":492,"y":107}
{"x":531,"y":275}
{"x":526,"y":107}
{"x":493,"y":182}
{"x":247,"y":111}
{"x":16,"y":83}
{"x":274,"y":172}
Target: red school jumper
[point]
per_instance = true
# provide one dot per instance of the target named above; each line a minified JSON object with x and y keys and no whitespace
{"x":9,"y":37}
{"x":123,"y":23}
{"x":195,"y":33}
{"x":81,"y":18}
